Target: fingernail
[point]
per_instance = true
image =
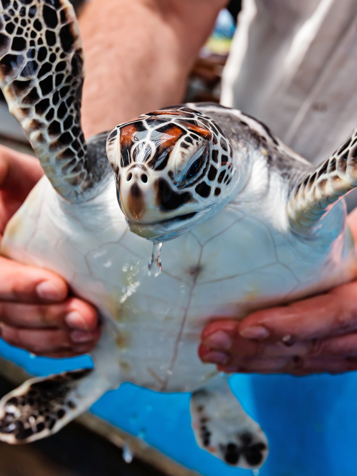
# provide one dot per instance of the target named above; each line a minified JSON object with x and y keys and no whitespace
{"x":216,"y":358}
{"x":75,"y":321}
{"x":218,"y":340}
{"x":81,"y":336}
{"x":48,"y":291}
{"x":254,"y":332}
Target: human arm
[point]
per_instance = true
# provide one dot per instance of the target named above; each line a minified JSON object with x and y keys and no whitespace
{"x":314,"y":335}
{"x":138,"y":55}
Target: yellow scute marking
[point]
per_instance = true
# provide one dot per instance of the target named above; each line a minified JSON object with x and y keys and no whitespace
{"x":122,"y":340}
{"x":15,"y":227}
{"x":125,"y":366}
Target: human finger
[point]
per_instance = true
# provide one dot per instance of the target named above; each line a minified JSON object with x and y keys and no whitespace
{"x":49,"y":341}
{"x":73,"y":313}
{"x":28,"y":284}
{"x":252,"y":349}
{"x":344,"y":346}
{"x":17,"y":169}
{"x":18,"y":175}
{"x":321,"y":316}
{"x":294,"y":366}
{"x":67,"y":353}
{"x":222,"y":336}
{"x":220,"y":345}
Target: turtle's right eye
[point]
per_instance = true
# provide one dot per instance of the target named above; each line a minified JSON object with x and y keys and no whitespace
{"x":195,"y":168}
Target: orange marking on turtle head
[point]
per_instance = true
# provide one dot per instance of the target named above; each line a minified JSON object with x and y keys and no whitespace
{"x":170,"y":137}
{"x":165,"y":144}
{"x":200,"y":130}
{"x":126,"y":135}
{"x":166,"y":113}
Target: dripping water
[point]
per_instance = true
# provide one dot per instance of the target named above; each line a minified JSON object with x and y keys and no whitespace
{"x":255,"y":472}
{"x":127,"y":453}
{"x":154,"y":266}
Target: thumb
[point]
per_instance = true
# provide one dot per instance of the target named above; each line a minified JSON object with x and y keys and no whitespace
{"x":28,"y":284}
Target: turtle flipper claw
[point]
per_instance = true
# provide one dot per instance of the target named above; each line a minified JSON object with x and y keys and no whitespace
{"x":223,"y":429}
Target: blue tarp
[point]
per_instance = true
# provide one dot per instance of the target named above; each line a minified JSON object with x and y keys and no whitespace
{"x":310,"y":421}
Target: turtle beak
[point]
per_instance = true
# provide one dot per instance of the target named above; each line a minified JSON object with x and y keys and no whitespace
{"x":132,"y":191}
{"x":152,"y":208}
{"x":137,"y":196}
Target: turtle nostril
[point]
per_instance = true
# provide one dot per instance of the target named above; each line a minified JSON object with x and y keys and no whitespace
{"x":144,"y":178}
{"x":129,"y":177}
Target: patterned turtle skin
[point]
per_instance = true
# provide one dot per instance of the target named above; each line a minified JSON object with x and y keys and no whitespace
{"x":245,"y":223}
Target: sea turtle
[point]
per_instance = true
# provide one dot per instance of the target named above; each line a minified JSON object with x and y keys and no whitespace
{"x":245,"y":221}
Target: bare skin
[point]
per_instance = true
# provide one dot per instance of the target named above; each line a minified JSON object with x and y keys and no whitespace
{"x":148,"y":47}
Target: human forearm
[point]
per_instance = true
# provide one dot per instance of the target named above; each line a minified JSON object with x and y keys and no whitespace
{"x":138,"y":55}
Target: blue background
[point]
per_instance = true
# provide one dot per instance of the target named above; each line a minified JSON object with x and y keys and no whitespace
{"x":310,"y":421}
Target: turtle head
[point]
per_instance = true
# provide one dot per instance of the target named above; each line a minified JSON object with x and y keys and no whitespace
{"x":174,"y":169}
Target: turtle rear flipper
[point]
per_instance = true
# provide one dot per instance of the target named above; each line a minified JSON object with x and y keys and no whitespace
{"x":222,"y":427}
{"x":41,"y":76}
{"x":42,"y":406}
{"x":315,"y":194}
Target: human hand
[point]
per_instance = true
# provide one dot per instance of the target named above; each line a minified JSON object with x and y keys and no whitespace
{"x":35,"y":310}
{"x":314,"y":335}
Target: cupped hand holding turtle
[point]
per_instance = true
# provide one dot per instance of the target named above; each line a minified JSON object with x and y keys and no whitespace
{"x":314,"y":335}
{"x":35,"y":310}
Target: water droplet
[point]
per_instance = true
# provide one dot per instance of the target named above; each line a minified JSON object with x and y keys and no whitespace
{"x":32,"y":356}
{"x":127,"y":453}
{"x":255,"y":472}
{"x":155,"y":263}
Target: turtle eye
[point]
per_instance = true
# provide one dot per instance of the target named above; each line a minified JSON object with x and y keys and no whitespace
{"x":194,"y":168}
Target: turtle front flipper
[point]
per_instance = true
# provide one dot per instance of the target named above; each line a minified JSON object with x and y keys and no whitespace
{"x":42,"y":406}
{"x":314,"y":195}
{"x":41,"y":76}
{"x":222,"y":427}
